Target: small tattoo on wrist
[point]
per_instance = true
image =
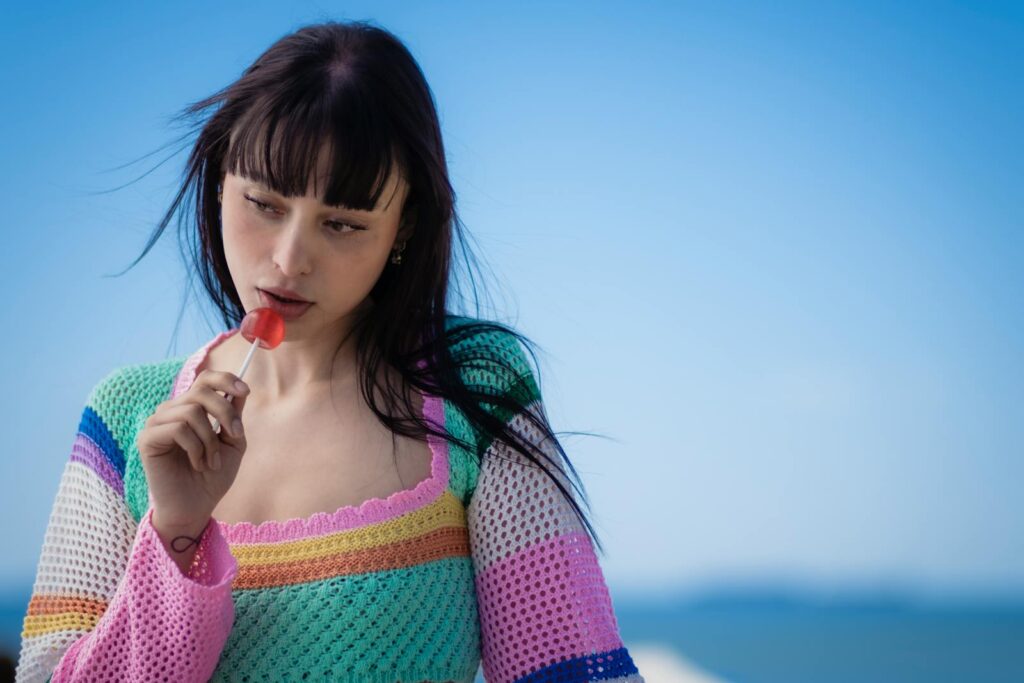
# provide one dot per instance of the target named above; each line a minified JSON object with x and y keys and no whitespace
{"x":188,"y":545}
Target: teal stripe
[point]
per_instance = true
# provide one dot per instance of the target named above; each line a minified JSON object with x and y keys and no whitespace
{"x":382,"y":626}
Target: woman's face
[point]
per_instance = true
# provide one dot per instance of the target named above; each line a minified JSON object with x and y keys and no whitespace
{"x":327,"y":255}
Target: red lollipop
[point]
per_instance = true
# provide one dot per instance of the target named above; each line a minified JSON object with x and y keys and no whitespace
{"x":264,"y":327}
{"x":263,"y":324}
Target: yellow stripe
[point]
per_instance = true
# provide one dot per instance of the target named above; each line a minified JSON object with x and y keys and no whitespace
{"x":446,"y":511}
{"x":65,"y":621}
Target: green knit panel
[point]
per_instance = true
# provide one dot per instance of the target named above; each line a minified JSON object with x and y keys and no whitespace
{"x":479,"y":357}
{"x":463,"y":464}
{"x":380,"y":627}
{"x":124,"y":400}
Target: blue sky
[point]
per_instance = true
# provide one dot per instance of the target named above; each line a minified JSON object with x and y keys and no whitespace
{"x":771,"y":251}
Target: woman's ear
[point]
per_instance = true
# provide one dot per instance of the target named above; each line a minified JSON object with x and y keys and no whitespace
{"x":407,"y":224}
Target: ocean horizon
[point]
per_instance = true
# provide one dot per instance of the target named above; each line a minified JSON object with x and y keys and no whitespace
{"x":782,"y":636}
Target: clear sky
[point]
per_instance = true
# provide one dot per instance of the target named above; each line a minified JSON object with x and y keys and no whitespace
{"x":772,"y":253}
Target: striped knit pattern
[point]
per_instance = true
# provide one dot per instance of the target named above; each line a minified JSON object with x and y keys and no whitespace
{"x":483,"y":563}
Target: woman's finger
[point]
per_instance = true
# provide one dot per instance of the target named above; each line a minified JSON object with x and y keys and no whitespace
{"x":163,"y":438}
{"x":194,"y":415}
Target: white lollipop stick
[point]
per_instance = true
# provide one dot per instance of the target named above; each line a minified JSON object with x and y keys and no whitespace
{"x":241,"y":372}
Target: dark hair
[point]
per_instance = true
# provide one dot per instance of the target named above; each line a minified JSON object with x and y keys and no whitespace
{"x":356,"y":87}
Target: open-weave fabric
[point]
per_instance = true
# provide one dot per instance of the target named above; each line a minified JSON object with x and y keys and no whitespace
{"x":483,"y":562}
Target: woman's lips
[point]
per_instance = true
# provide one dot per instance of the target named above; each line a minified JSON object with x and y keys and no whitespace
{"x":286,"y":310}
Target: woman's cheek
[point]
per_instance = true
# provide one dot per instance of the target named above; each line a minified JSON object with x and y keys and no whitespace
{"x":241,"y":245}
{"x":245,"y":234}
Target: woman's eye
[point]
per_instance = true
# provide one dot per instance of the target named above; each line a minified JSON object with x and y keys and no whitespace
{"x":263,"y":206}
{"x":338,"y":225}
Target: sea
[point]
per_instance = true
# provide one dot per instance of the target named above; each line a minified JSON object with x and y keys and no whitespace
{"x":768,"y":638}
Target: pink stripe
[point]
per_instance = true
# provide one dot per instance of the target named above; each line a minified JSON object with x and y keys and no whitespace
{"x":66,"y":666}
{"x":544,"y":604}
{"x":187,"y":374}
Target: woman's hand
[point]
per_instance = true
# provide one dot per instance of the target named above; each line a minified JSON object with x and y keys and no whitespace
{"x":188,"y":466}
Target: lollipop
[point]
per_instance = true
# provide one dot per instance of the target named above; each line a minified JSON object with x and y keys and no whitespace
{"x":263,"y":327}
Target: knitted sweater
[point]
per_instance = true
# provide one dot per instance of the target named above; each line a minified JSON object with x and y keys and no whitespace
{"x":481,"y":562}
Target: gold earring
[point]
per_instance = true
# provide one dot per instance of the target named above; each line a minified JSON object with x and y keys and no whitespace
{"x":396,"y":254}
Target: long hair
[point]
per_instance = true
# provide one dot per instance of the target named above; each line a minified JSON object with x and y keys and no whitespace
{"x":357,"y":87}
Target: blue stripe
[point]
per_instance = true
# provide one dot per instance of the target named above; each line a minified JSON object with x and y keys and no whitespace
{"x":613,"y":664}
{"x":93,"y":426}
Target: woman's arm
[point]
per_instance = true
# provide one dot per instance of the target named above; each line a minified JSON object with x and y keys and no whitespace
{"x":109,"y":603}
{"x":545,"y":610}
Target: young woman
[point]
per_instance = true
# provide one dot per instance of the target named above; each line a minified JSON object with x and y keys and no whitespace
{"x":383,"y":499}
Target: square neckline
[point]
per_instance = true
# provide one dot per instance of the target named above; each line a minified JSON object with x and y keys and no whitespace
{"x":370,"y":511}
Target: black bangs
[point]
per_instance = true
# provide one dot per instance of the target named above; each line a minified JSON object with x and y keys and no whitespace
{"x":279,"y":144}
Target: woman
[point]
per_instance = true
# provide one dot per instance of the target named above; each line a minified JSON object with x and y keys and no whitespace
{"x":385,"y":500}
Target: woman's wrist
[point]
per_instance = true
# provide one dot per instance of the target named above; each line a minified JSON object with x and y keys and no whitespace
{"x":180,"y":540}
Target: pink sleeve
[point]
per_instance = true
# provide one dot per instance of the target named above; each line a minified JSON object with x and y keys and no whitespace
{"x":160,"y":620}
{"x":545,"y":610}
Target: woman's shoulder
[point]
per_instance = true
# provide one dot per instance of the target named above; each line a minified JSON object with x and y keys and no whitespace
{"x":137,"y":386}
{"x":466,"y":333}
{"x":490,"y":354}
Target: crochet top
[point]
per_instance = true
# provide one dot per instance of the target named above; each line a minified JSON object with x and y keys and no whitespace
{"x":481,"y":562}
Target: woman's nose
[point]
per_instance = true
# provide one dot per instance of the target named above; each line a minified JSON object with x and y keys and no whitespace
{"x":292,"y":252}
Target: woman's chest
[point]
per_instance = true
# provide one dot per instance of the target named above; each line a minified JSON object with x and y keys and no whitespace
{"x":297,"y":464}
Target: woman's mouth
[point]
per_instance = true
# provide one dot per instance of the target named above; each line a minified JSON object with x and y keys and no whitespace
{"x":287,"y":308}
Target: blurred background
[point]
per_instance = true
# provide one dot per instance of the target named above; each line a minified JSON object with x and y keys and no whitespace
{"x":772,"y":254}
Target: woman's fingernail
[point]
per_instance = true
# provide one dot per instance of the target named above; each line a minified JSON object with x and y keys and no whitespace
{"x":236,"y":427}
{"x":240,"y":385}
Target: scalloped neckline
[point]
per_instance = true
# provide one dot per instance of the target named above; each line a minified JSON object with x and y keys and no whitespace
{"x":370,"y":511}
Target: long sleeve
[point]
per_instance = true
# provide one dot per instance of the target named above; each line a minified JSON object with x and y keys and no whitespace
{"x":545,"y":611}
{"x":108,"y":602}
